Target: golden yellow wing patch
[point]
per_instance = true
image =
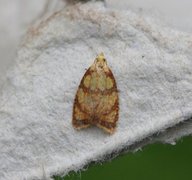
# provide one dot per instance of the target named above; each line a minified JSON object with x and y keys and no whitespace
{"x":96,"y":101}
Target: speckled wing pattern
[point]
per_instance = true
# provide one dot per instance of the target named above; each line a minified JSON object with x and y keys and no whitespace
{"x":96,"y":101}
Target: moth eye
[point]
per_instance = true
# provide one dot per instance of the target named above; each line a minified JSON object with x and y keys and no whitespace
{"x":104,"y":60}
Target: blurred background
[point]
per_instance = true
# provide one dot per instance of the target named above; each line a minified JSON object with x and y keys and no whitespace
{"x":17,"y":16}
{"x":154,"y":162}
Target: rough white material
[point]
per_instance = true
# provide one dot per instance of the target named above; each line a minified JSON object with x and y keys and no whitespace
{"x":15,"y":18}
{"x":176,"y":13}
{"x":151,"y":63}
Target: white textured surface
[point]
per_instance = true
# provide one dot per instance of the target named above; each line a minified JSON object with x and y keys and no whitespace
{"x":15,"y":18}
{"x":151,"y":63}
{"x":175,"y":13}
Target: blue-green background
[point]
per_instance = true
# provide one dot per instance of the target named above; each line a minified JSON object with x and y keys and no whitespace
{"x":154,"y":162}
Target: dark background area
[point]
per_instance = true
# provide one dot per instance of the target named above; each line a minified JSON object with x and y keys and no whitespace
{"x":154,"y":162}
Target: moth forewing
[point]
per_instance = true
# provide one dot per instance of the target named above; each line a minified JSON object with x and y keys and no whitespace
{"x":97,"y":101}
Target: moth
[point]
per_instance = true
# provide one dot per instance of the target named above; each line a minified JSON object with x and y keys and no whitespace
{"x":97,"y":102}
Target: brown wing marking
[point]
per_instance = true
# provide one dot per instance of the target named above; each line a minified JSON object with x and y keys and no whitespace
{"x":108,"y":121}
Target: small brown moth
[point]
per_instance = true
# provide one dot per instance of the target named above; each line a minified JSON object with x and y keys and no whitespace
{"x":96,"y":101}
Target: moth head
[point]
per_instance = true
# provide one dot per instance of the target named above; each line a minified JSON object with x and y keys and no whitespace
{"x":100,"y":62}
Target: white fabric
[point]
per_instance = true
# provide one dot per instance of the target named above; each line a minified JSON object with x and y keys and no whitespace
{"x":152,"y":65}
